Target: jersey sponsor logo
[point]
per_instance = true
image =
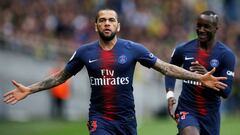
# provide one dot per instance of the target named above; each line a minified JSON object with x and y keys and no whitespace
{"x":230,"y":73}
{"x":109,"y":81}
{"x":122,"y":59}
{"x":91,"y":61}
{"x":192,"y":82}
{"x":214,"y":63}
{"x":108,"y":78}
{"x":188,"y":58}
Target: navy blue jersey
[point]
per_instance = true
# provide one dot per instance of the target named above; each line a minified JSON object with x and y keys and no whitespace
{"x":111,"y":76}
{"x":194,"y":97}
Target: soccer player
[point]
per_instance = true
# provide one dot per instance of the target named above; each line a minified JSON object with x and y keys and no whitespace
{"x":110,"y":63}
{"x":197,"y":111}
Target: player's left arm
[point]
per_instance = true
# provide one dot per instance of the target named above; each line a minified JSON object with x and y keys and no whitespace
{"x":149,"y":60}
{"x":207,"y":79}
{"x":227,"y":66}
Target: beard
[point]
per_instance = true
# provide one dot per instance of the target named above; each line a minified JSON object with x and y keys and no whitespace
{"x":107,"y":38}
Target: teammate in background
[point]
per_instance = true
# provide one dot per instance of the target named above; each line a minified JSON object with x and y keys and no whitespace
{"x":198,"y":107}
{"x":59,"y":94}
{"x":110,"y":63}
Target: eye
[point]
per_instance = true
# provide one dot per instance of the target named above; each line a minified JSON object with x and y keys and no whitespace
{"x":207,"y":26}
{"x":101,"y":20}
{"x":112,"y":20}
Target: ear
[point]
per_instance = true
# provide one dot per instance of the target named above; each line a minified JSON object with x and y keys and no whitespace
{"x":96,"y":27}
{"x":118,"y":29}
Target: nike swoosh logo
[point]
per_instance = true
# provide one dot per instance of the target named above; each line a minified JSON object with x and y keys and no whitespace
{"x":188,"y":58}
{"x":91,"y":61}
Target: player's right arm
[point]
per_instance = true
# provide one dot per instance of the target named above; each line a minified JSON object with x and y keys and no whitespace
{"x":176,"y":59}
{"x":21,"y":91}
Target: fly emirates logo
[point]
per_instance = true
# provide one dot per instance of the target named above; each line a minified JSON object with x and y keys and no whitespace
{"x":108,"y":78}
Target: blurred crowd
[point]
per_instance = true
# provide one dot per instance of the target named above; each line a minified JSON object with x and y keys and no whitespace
{"x":47,"y":29}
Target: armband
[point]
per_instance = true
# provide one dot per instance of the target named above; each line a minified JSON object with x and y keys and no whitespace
{"x":169,"y":94}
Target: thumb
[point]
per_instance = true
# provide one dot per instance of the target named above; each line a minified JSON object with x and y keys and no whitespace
{"x":212,"y":71}
{"x":15,"y":83}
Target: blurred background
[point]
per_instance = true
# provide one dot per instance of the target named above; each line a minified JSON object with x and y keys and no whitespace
{"x":39,"y":35}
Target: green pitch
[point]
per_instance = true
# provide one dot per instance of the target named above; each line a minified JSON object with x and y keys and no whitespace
{"x":162,"y":126}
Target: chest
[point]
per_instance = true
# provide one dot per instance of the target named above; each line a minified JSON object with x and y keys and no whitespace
{"x":207,"y":59}
{"x":109,"y":63}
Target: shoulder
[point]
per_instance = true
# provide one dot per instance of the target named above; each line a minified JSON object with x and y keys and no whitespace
{"x":187,"y":44}
{"x":83,"y":49}
{"x":91,"y":45}
{"x":224,"y":49}
{"x":226,"y":53}
{"x":130,"y":44}
{"x":86,"y":48}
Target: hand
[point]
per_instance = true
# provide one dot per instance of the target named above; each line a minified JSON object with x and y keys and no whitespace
{"x":210,"y":81}
{"x":198,"y":68}
{"x":17,"y":94}
{"x":171,"y":103}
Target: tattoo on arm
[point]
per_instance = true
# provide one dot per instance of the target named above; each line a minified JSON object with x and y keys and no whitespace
{"x":52,"y":81}
{"x":175,"y":71}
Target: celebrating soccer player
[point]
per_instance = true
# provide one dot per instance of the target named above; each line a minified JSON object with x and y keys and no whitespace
{"x":110,"y":63}
{"x":197,"y":112}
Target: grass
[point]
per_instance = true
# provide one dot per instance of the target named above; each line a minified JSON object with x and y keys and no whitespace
{"x":162,"y":126}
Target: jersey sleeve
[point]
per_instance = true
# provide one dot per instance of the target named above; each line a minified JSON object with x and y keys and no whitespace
{"x":75,"y":64}
{"x":228,"y":67}
{"x":176,"y":60}
{"x":145,"y":57}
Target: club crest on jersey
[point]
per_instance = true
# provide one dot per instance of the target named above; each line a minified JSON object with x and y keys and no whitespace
{"x":122,"y":59}
{"x":214,"y":63}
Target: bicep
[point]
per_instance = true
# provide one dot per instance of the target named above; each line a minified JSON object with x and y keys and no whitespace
{"x":145,"y":57}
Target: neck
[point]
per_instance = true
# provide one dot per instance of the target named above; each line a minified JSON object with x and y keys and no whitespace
{"x":207,"y":45}
{"x":108,"y":45}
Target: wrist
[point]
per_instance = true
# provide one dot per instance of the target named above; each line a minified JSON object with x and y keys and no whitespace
{"x":169,"y":94}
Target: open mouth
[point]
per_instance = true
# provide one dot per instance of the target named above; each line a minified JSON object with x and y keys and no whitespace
{"x":202,"y":36}
{"x":107,"y":31}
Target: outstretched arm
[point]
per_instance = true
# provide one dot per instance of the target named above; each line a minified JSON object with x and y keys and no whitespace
{"x":21,"y":91}
{"x":174,"y":71}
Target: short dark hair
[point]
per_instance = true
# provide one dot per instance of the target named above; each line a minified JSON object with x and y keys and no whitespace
{"x":97,"y":16}
{"x":212,"y":14}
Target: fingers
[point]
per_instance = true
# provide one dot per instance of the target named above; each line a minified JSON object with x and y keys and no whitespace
{"x":194,"y":68}
{"x":215,"y":88}
{"x":171,"y":112}
{"x":7,"y":94}
{"x":9,"y":98}
{"x":15,"y":83}
{"x":221,"y":78}
{"x":11,"y":101}
{"x":195,"y":63}
{"x":198,"y":68}
{"x":212,"y":71}
{"x":221,"y":85}
{"x":171,"y":102}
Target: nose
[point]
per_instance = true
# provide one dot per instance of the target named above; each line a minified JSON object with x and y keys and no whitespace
{"x":201,"y":29}
{"x":107,"y":22}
